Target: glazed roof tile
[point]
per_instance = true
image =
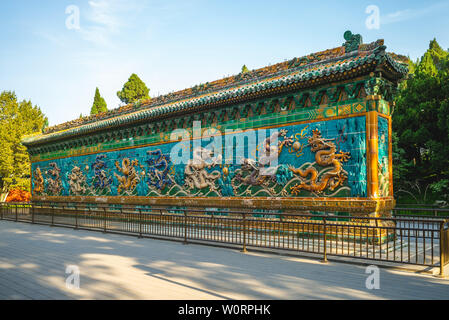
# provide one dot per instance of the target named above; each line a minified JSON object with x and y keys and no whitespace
{"x":297,"y":70}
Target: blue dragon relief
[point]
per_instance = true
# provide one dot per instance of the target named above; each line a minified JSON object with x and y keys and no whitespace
{"x":100,"y":180}
{"x":158,"y":168}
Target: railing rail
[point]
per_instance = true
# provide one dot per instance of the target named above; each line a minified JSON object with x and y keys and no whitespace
{"x":406,"y":239}
{"x":429,"y":212}
{"x":423,"y":205}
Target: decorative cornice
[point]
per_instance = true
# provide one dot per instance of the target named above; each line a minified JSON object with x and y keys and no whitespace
{"x":310,"y":71}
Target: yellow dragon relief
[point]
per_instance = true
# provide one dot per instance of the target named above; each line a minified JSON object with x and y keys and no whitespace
{"x":39,"y":181}
{"x":130,"y":177}
{"x":326,"y":155}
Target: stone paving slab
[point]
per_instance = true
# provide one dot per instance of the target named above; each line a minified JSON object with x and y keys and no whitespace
{"x":33,"y":261}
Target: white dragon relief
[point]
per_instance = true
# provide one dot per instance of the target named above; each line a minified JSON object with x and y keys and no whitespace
{"x":77,"y":181}
{"x":196,"y":175}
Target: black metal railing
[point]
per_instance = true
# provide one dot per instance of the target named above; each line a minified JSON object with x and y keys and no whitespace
{"x":422,"y":212}
{"x":406,"y":239}
{"x":443,"y":205}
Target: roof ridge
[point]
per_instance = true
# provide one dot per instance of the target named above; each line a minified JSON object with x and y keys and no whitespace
{"x":260,"y":74}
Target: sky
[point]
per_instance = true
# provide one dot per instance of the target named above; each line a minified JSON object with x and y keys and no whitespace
{"x":56,"y":52}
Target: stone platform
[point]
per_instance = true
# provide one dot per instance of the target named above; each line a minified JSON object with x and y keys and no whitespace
{"x":33,"y":261}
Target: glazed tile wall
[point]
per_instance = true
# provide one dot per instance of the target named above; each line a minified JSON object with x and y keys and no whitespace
{"x":383,"y":156}
{"x":318,"y":159}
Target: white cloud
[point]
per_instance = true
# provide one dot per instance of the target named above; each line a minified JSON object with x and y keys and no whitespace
{"x":106,"y":19}
{"x":409,"y":14}
{"x":104,"y":14}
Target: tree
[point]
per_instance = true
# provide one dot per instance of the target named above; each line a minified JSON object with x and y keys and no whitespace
{"x":16,"y":120}
{"x":421,"y":121}
{"x":245,"y":69}
{"x":433,"y":60}
{"x":99,"y":104}
{"x":133,"y":90}
{"x":401,"y":166}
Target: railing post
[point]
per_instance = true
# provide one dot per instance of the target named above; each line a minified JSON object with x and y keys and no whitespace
{"x":160,"y":221}
{"x":16,"y":213}
{"x":244,"y":233}
{"x":63,"y":212}
{"x":52,"y":215}
{"x":441,"y":251}
{"x":140,"y":222}
{"x":185,"y":227}
{"x":1,"y":210}
{"x":104,"y":220}
{"x":279,"y":230}
{"x":32,"y":213}
{"x":325,"y":240}
{"x":90,"y":217}
{"x":76,"y":217}
{"x":444,"y":243}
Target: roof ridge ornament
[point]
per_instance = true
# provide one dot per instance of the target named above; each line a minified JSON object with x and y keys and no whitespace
{"x":353,"y":41}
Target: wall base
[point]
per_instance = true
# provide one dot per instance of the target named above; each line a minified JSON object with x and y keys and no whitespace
{"x":362,"y":206}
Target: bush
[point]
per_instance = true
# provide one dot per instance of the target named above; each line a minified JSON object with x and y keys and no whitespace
{"x":18,"y":195}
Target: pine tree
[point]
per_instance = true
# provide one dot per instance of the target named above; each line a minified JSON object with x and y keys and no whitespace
{"x":99,"y":104}
{"x":433,"y":60}
{"x":133,"y":90}
{"x":421,"y":122}
{"x":245,"y":69}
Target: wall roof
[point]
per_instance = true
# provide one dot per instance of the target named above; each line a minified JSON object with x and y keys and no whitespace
{"x":351,"y":55}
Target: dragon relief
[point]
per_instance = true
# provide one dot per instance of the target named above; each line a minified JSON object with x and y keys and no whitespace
{"x":256,"y":171}
{"x":196,"y":175}
{"x":158,"y":168}
{"x":383,"y":177}
{"x":77,"y":181}
{"x":130,"y":178}
{"x":54,"y":183}
{"x":326,"y":156}
{"x":38,"y":181}
{"x":100,"y":178}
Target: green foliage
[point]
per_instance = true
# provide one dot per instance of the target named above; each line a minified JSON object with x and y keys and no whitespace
{"x":99,"y":104}
{"x":440,"y":186}
{"x":412,"y":66}
{"x":433,"y":60}
{"x":245,"y":69}
{"x":400,"y":163}
{"x":133,"y":90}
{"x":421,"y":122}
{"x":16,"y":120}
{"x":45,"y":124}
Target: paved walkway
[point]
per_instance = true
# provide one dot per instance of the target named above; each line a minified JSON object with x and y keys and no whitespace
{"x":33,"y":261}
